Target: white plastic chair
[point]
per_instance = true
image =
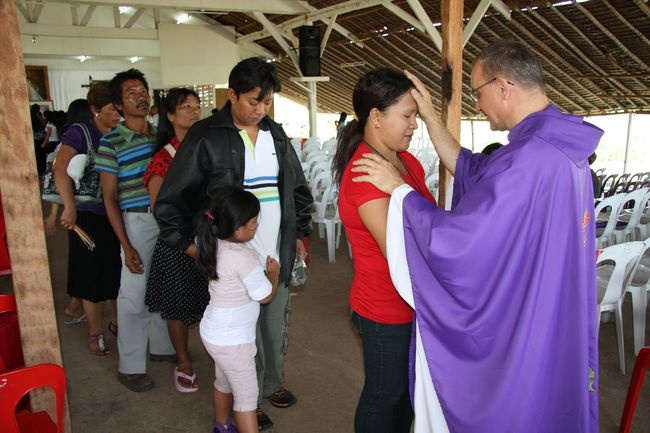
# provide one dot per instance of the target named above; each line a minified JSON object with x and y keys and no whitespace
{"x":642,"y":229}
{"x":640,"y":198}
{"x":327,"y":214}
{"x":638,"y":288}
{"x":612,"y":280}
{"x":604,"y":236}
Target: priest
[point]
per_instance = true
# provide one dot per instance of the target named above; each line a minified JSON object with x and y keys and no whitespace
{"x":503,"y":284}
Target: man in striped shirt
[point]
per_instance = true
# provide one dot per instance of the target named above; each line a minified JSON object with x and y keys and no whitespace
{"x":122,"y":158}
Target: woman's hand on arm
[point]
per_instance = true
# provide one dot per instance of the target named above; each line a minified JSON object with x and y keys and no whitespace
{"x":445,"y":144}
{"x":64,"y":185}
{"x":110,"y":192}
{"x":374,"y":215}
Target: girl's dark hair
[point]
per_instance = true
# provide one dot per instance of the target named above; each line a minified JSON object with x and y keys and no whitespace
{"x":78,"y":112}
{"x":168,"y":104}
{"x":380,"y":88}
{"x":230,"y":208}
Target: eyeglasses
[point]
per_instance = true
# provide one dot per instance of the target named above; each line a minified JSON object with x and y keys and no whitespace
{"x":189,"y":107}
{"x":474,"y":92}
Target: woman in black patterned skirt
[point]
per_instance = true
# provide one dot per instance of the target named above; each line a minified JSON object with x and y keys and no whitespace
{"x":175,"y":288}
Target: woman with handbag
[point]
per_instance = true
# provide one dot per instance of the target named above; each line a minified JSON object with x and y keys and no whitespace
{"x":93,"y":275}
{"x":175,"y":287}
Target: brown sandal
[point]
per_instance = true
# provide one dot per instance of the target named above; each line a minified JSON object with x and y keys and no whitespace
{"x":97,"y":345}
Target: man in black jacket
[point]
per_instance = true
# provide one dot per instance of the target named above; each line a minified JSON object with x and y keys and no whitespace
{"x":240,"y":145}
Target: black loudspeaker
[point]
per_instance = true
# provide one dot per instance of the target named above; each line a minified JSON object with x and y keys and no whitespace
{"x":309,"y":50}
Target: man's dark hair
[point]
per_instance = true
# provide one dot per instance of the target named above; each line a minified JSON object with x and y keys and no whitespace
{"x":254,"y":72}
{"x":115,"y":85}
{"x":513,"y":61}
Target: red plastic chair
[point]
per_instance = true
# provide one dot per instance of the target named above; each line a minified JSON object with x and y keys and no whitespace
{"x":640,"y":367}
{"x":14,"y":385}
{"x":11,"y":352}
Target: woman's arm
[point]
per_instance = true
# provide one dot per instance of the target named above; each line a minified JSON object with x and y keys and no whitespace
{"x":64,"y":185}
{"x":374,"y":215}
{"x":153,"y":187}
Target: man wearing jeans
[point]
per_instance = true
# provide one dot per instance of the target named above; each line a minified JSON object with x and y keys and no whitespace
{"x":122,"y":158}
{"x":240,"y":145}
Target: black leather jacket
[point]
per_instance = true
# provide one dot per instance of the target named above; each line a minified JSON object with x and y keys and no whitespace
{"x":212,"y":156}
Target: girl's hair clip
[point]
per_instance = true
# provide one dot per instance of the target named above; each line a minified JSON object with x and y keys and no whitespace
{"x":209,"y":215}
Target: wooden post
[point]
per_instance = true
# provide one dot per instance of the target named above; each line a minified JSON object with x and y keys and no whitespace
{"x":452,"y":70}
{"x":22,"y":208}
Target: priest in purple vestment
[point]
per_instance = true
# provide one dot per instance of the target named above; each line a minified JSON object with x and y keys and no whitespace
{"x":503,"y":284}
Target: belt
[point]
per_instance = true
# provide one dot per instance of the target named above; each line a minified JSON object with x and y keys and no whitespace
{"x":138,"y":209}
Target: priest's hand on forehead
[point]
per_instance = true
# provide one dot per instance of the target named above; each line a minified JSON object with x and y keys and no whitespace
{"x":382,"y":174}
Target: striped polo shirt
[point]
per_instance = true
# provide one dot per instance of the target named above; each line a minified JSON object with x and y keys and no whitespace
{"x":126,"y":154}
{"x":261,"y":171}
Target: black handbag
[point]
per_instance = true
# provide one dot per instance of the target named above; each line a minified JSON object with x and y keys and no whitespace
{"x":88,"y":190}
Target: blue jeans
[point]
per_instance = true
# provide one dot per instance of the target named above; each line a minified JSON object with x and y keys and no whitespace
{"x":384,"y":405}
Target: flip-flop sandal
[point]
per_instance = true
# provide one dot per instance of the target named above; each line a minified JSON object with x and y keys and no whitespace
{"x":97,"y":345}
{"x":180,"y":388}
{"x":76,"y":320}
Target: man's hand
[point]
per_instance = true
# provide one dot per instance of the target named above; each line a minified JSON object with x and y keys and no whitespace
{"x":422,"y":98}
{"x":379,"y":172}
{"x":132,"y":261}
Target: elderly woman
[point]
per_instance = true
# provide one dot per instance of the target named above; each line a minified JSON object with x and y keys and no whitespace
{"x":93,"y":276}
{"x":175,"y":288}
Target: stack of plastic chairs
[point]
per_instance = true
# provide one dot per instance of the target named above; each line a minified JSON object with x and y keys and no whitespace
{"x":326,"y":214}
{"x":614,"y":268}
{"x":639,"y":288}
{"x":632,"y":218}
{"x":604,"y":235}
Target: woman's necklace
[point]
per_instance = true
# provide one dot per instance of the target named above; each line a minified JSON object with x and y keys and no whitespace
{"x":412,"y":182}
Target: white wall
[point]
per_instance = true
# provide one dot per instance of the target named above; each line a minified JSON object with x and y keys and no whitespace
{"x":195,"y":54}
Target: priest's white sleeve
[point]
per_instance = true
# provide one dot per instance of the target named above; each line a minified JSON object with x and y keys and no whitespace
{"x":428,"y":413}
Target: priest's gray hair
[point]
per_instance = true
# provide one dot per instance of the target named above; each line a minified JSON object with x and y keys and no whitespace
{"x":513,"y":61}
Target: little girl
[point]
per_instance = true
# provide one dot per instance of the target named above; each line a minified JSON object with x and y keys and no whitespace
{"x":237,"y":285}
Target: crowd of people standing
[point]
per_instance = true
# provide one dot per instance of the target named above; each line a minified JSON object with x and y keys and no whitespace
{"x":206,"y":217}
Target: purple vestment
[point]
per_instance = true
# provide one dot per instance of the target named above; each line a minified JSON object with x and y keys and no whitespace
{"x":504,"y":284}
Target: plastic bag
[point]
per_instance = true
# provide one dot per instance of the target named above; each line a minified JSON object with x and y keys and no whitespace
{"x":299,"y":272}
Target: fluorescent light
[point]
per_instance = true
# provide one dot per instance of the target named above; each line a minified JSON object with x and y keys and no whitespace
{"x":124,"y":9}
{"x":182,"y":18}
{"x":83,"y":58}
{"x":135,"y":59}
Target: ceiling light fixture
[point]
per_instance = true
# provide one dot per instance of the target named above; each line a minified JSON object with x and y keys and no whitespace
{"x":135,"y":59}
{"x":182,"y":18}
{"x":124,"y":9}
{"x":83,"y":58}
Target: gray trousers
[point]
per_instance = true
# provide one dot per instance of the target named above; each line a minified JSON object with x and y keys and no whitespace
{"x":137,"y":325}
{"x":271,"y":341}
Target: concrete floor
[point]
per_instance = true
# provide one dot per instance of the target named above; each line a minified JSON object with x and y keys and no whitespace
{"x":323,"y":366}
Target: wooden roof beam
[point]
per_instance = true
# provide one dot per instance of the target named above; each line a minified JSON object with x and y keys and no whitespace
{"x":614,"y":39}
{"x":530,"y":17}
{"x":580,"y":33}
{"x":326,"y":37}
{"x":270,"y":27}
{"x":73,"y":14}
{"x":316,"y":15}
{"x":643,"y":6}
{"x":134,"y":18}
{"x":618,"y":15}
{"x":429,"y":29}
{"x":87,"y":15}
{"x":479,"y":13}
